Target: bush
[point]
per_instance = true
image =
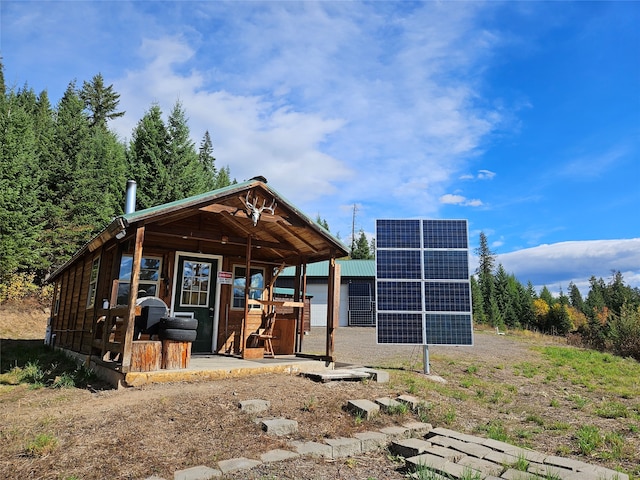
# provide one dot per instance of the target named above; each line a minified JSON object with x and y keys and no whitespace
{"x":22,"y":285}
{"x":625,"y":332}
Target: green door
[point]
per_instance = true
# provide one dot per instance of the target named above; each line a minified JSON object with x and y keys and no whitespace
{"x":196,"y":295}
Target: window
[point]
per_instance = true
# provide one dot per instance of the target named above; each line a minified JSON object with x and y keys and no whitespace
{"x":56,"y":303}
{"x":256,"y":285}
{"x":93,"y":282}
{"x":149,"y":279}
{"x":195,"y":284}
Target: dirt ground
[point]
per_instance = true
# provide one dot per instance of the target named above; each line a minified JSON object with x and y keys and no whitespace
{"x":155,"y":430}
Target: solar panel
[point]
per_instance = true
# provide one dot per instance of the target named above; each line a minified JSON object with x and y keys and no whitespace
{"x":423,"y":292}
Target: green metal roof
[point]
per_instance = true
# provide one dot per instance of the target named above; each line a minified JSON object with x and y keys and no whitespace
{"x":348,"y":268}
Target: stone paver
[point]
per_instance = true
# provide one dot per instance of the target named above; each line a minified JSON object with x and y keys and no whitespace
{"x":235,"y":464}
{"x":280,"y":426}
{"x":387,"y":403}
{"x":418,"y":428}
{"x":254,"y":406}
{"x":365,"y":408}
{"x":396,"y":432}
{"x":447,"y":453}
{"x":372,"y":440}
{"x":344,"y":447}
{"x":312,"y":449}
{"x":197,"y":473}
{"x":277,"y":455}
{"x":410,"y":400}
{"x":409,"y":447}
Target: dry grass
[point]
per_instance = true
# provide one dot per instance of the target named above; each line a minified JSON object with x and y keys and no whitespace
{"x":504,"y":387}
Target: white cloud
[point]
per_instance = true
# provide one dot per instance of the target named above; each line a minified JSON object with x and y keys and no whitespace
{"x":481,"y":175}
{"x":451,"y":199}
{"x":485,"y":175}
{"x":555,"y":265}
{"x":315,"y":99}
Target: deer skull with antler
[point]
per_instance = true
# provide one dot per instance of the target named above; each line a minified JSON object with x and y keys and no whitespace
{"x":254,"y":211}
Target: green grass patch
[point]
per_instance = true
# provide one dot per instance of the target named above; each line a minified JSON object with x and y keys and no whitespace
{"x":39,"y":366}
{"x":43,"y":444}
{"x":589,"y":439}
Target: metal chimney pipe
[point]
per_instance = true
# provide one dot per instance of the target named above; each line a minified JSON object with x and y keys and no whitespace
{"x":130,"y":202}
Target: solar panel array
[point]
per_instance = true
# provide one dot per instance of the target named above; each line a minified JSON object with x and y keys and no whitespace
{"x":423,"y":292}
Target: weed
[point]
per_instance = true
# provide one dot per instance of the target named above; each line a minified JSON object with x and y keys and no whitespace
{"x":43,"y":444}
{"x":64,"y":381}
{"x":399,"y":408}
{"x":560,"y":426}
{"x":466,"y":382}
{"x":612,"y":410}
{"x":480,"y":394}
{"x":310,"y":405}
{"x":423,"y":472}
{"x":589,"y":439}
{"x":450,"y":416}
{"x":535,"y":419}
{"x":359,"y":417}
{"x":521,"y":464}
{"x":580,"y":401}
{"x":555,"y":403}
{"x":422,"y":410}
{"x":495,"y":430}
{"x":31,"y":373}
{"x":471,"y":369}
{"x":615,"y":443}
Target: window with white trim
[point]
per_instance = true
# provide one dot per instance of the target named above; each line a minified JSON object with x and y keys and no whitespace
{"x":196,"y":277}
{"x":93,"y":282}
{"x":256,"y":285}
{"x":148,"y":280}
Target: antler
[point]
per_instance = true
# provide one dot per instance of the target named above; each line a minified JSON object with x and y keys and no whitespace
{"x":254,"y":212}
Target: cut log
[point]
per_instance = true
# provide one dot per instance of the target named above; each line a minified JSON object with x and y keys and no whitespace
{"x":175,"y":354}
{"x":146,"y":356}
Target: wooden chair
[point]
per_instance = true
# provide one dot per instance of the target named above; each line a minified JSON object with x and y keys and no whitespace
{"x":266,"y":334}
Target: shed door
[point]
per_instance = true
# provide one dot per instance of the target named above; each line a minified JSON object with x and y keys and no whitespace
{"x":195,"y":295}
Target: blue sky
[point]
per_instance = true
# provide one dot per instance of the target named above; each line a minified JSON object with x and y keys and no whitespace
{"x":522,"y":117}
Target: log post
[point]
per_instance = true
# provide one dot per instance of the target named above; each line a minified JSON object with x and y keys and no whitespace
{"x":130,"y":318}
{"x":175,"y":354}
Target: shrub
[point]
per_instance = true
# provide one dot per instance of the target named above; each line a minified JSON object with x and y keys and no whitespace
{"x":625,"y":332}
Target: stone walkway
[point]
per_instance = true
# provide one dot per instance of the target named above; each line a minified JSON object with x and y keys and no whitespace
{"x":449,"y":454}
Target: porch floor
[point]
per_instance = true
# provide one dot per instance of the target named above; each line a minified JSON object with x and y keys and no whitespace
{"x":208,"y":367}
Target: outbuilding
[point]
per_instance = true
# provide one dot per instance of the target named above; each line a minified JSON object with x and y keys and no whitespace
{"x":357,"y":306}
{"x":198,"y":272}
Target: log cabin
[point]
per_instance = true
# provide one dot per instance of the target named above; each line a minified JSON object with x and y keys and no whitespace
{"x":205,"y":267}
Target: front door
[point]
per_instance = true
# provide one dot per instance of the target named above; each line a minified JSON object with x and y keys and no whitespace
{"x":195,"y":295}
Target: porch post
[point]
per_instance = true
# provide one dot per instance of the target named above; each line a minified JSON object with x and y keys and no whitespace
{"x":247,"y":287}
{"x":129,"y":321}
{"x":298,"y":310}
{"x":333,"y":306}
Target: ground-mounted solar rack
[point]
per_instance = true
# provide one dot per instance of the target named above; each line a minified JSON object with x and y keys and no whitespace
{"x":423,"y":291}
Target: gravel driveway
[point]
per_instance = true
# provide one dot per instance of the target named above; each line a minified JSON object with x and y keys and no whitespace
{"x":357,"y":345}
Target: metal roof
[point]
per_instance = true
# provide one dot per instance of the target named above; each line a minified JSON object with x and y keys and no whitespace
{"x":220,"y":216}
{"x":348,"y":268}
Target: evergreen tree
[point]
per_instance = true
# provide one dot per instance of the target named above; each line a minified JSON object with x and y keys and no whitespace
{"x":188,"y":175}
{"x":147,"y":159}
{"x":575,"y":297}
{"x":322,"y":222}
{"x":545,"y":294}
{"x":208,"y":161}
{"x":479,"y":315}
{"x":486,"y":264}
{"x":100,"y":101}
{"x":19,"y":175}
{"x":506,"y":296}
{"x":361,"y":248}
